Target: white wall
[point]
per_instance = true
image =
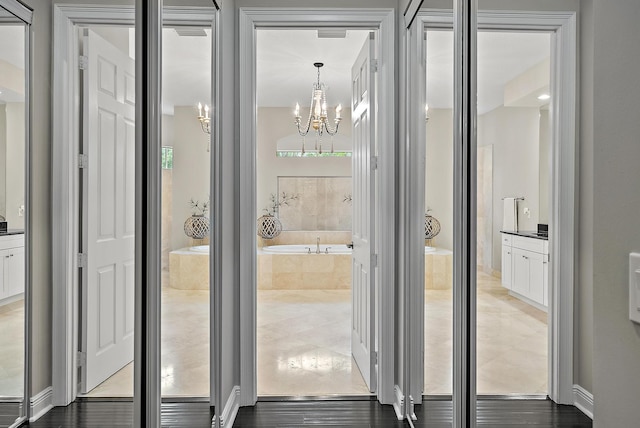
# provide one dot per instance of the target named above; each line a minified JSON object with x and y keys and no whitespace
{"x":514,"y":133}
{"x":616,"y":203}
{"x":15,"y":184}
{"x":275,"y":123}
{"x":545,"y":166}
{"x":191,"y":166}
{"x":439,"y":174}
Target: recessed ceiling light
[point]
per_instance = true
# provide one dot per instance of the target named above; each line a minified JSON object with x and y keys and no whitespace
{"x":544,"y":97}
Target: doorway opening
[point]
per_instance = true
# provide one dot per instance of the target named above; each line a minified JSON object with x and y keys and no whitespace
{"x":307,"y":200}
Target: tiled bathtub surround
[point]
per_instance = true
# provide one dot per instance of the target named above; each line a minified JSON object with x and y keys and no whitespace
{"x":304,"y":271}
{"x":438,"y":270}
{"x":321,"y":203}
{"x":188,"y":270}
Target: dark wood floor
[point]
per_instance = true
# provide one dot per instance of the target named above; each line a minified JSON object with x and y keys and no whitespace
{"x":289,"y":414}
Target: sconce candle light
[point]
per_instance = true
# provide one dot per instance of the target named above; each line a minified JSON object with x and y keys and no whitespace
{"x":205,"y":121}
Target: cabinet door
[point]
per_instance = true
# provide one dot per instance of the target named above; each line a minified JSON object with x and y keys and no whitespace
{"x":545,"y":279}
{"x":507,"y":259}
{"x":520,"y":274}
{"x":536,"y":277}
{"x":16,"y":271}
{"x":4,"y":283}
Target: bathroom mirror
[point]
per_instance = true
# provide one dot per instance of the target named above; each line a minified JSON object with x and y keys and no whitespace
{"x":14,"y":137}
{"x":315,"y":203}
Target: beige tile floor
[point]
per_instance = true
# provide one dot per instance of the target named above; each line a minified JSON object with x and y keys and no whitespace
{"x":12,"y":349}
{"x":512,"y":342}
{"x":304,"y":344}
{"x":184,"y":349}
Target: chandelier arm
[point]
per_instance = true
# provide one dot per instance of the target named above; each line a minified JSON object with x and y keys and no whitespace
{"x":331,"y":131}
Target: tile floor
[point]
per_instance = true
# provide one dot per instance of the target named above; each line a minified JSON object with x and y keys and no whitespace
{"x":12,"y":349}
{"x":185,"y":349}
{"x":304,"y":344}
{"x":512,"y":342}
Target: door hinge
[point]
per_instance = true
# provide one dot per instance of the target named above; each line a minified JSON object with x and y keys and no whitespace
{"x":83,"y":161}
{"x":81,"y":359}
{"x":374,"y":357}
{"x":374,"y":65}
{"x":82,"y":260}
{"x":374,"y":162}
{"x":374,"y":260}
{"x":83,"y":62}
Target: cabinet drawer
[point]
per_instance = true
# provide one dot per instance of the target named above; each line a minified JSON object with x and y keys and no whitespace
{"x":506,"y":239}
{"x":529,"y":244}
{"x":11,"y":241}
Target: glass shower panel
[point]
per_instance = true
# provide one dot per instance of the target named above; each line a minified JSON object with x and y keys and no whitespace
{"x":13,"y":147}
{"x":513,"y":176}
{"x":186,"y":149}
{"x":439,"y":176}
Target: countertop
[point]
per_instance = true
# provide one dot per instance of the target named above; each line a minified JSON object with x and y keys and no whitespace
{"x":12,"y":232}
{"x":527,"y":234}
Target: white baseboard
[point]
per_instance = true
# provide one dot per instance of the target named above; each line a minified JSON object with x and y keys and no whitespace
{"x":398,"y":403}
{"x":41,"y":403}
{"x":583,"y":400}
{"x":230,"y":410}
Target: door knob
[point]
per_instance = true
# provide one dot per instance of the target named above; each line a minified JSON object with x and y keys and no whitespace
{"x":350,"y":245}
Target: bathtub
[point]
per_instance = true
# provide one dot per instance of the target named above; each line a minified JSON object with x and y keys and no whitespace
{"x":307,"y":249}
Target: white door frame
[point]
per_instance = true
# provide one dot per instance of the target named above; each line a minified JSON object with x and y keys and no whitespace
{"x":564,"y":195}
{"x":65,"y":149}
{"x":382,"y":20}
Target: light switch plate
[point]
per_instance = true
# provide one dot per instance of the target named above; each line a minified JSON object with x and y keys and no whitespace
{"x":634,"y":287}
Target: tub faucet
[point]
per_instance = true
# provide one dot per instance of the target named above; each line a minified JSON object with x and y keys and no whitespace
{"x":318,"y":245}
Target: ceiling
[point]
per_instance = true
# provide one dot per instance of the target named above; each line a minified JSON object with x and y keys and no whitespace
{"x":285,"y":58}
{"x":285,"y":71}
{"x":502,"y":56}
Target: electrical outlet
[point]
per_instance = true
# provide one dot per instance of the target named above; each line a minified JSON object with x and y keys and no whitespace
{"x":21,"y":211}
{"x":527,"y":212}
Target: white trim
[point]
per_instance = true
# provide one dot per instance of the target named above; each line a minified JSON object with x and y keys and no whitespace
{"x":398,"y":402}
{"x":583,"y":400}
{"x":564,"y":193}
{"x":65,"y":144}
{"x":384,"y":21}
{"x":18,"y":9}
{"x":41,"y":403}
{"x":228,"y":416}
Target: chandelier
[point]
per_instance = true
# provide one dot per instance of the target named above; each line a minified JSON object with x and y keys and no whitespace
{"x":318,"y":119}
{"x":205,"y":121}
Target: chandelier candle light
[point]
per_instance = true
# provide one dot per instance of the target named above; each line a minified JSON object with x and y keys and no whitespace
{"x":205,"y":121}
{"x":318,"y":119}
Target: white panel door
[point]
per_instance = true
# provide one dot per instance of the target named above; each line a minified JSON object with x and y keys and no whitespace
{"x":108,"y":210}
{"x":363,"y":346}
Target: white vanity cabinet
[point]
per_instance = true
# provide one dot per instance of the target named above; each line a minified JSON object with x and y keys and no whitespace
{"x":526,"y":268}
{"x":12,"y":268}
